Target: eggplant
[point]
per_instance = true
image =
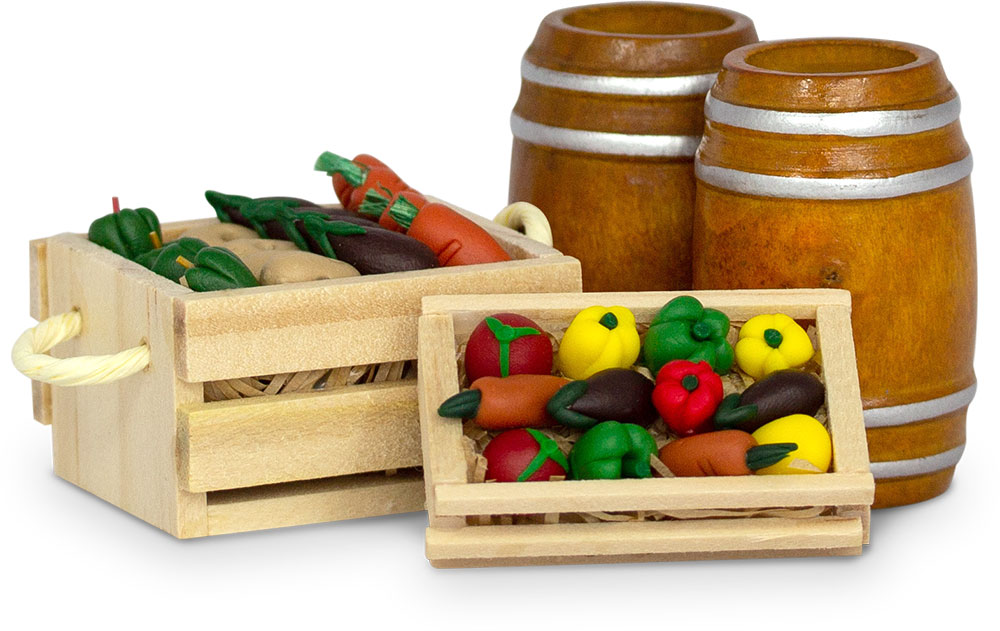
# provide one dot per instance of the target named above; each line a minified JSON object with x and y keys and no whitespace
{"x":614,"y":394}
{"x":373,"y":250}
{"x":229,"y":207}
{"x":779,"y":394}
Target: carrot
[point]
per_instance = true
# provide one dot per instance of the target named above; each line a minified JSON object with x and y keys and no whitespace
{"x":353,"y":178}
{"x":377,"y":204}
{"x":505,"y":402}
{"x":727,"y":452}
{"x":454,"y":239}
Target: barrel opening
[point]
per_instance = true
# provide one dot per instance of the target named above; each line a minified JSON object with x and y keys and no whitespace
{"x":832,"y":57}
{"x":647,"y":19}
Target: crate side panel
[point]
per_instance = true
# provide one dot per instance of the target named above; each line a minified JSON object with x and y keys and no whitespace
{"x":272,"y":439}
{"x":38,"y":276}
{"x":315,"y":501}
{"x":307,"y":326}
{"x":833,"y":489}
{"x":493,"y":545}
{"x":117,"y":440}
{"x":444,"y":463}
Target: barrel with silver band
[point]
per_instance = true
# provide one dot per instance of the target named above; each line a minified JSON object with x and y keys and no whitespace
{"x":841,"y":163}
{"x":604,"y":142}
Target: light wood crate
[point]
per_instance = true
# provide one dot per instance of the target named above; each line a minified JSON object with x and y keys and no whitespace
{"x":477,"y":524}
{"x":151,"y":444}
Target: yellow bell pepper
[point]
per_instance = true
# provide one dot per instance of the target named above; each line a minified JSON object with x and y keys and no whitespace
{"x":769,"y":343}
{"x":598,"y":338}
{"x":812,"y":440}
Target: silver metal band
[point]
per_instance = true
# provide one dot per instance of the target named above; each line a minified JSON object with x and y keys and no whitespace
{"x":603,"y":142}
{"x":917,"y":466}
{"x":919,"y":411}
{"x":686,"y":85}
{"x":793,"y":187}
{"x":857,"y":124}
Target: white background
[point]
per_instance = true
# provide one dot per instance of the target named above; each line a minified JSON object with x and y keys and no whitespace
{"x":157,"y":103}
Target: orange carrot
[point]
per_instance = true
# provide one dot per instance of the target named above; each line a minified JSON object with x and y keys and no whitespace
{"x":453,"y":238}
{"x":377,"y":204}
{"x":727,"y":452}
{"x":505,"y":402}
{"x":353,"y":178}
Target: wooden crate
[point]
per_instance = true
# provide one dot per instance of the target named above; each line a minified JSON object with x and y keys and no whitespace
{"x":153,"y":446}
{"x":476,"y":524}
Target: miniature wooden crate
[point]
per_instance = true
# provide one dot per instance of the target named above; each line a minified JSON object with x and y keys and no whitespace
{"x":477,"y":524}
{"x":153,"y":446}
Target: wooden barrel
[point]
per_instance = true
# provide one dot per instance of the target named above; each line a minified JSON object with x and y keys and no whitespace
{"x":841,"y":163}
{"x":605,"y":130}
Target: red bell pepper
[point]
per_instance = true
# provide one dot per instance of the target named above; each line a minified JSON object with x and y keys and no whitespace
{"x":686,"y":396}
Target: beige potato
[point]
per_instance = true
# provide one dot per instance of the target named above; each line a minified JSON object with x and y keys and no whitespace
{"x":221,"y":234}
{"x":255,"y":252}
{"x":299,"y":267}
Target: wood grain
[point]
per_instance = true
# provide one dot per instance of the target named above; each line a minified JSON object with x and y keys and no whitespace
{"x":259,"y":441}
{"x":909,"y":262}
{"x":608,"y":209}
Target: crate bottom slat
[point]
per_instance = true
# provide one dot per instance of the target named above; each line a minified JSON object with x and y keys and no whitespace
{"x":643,"y":541}
{"x":315,"y":501}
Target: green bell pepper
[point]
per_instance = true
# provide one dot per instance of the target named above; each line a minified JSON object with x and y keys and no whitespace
{"x":164,"y":262}
{"x":612,"y":450}
{"x":128,"y":233}
{"x":684,"y":329}
{"x":217,"y":268}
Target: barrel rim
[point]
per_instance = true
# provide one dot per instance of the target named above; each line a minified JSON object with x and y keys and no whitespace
{"x":738,"y":21}
{"x":916,"y":84}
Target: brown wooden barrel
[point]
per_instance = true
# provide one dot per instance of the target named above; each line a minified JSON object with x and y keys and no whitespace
{"x":841,"y":163}
{"x":605,"y":129}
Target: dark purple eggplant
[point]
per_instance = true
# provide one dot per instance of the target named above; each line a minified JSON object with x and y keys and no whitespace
{"x":228,"y":207}
{"x":375,"y":251}
{"x":779,"y":394}
{"x":614,"y":394}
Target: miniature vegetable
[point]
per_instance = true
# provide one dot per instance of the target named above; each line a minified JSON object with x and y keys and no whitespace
{"x":127,"y":232}
{"x":598,"y":338}
{"x":456,"y":240}
{"x":612,"y":450}
{"x":729,"y":452}
{"x":352,"y":179}
{"x":772,"y":342}
{"x":523,"y":455}
{"x":779,"y":394}
{"x":228,"y":208}
{"x":214,"y":269}
{"x":814,"y":450}
{"x":684,"y":329}
{"x":687,"y":395}
{"x":505,"y":402}
{"x":164,"y":261}
{"x":507,"y":344}
{"x":377,"y":204}
{"x":613,"y":394}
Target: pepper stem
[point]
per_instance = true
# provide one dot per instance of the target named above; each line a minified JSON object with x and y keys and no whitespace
{"x":350,"y":170}
{"x":763,"y":456}
{"x":403,"y":212}
{"x":690,"y":382}
{"x":115,"y":208}
{"x":609,"y":321}
{"x":773,"y":338}
{"x":701,"y":331}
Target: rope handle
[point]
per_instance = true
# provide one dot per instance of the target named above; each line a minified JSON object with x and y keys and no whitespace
{"x":526,"y":218}
{"x":31,"y":359}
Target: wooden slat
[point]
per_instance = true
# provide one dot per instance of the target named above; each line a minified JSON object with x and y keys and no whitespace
{"x":343,"y":322}
{"x":666,"y":540}
{"x":653,"y":494}
{"x":118,"y":440}
{"x":314,"y":501}
{"x":843,"y":394}
{"x":441,"y":438}
{"x":272,"y":439}
{"x":41,"y":393}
